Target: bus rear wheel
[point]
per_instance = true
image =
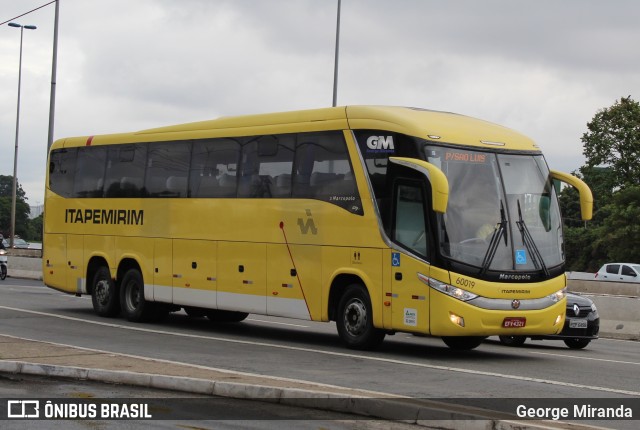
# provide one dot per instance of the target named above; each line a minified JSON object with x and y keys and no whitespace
{"x":354,"y":319}
{"x":462,"y":343}
{"x":134,"y":306}
{"x":104,"y":294}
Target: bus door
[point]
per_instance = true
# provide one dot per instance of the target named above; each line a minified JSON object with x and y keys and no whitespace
{"x":242,"y":268}
{"x":194,"y":273}
{"x":410,"y":232}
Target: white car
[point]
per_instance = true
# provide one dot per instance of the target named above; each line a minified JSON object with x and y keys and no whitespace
{"x":619,"y":272}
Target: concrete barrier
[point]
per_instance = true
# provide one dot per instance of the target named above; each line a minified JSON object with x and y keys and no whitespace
{"x":618,"y":302}
{"x":24,"y":266}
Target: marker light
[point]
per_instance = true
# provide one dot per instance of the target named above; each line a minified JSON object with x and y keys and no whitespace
{"x":456,"y":319}
{"x":558,"y":319}
{"x":450,"y":290}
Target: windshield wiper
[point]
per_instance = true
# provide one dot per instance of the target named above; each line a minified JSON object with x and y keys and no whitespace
{"x":498,"y":232}
{"x":529,"y":243}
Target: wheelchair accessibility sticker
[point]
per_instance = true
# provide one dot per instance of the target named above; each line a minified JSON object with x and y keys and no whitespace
{"x":395,"y":259}
{"x":521,"y":256}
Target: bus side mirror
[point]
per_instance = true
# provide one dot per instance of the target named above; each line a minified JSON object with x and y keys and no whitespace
{"x":435,"y":176}
{"x":586,"y":198}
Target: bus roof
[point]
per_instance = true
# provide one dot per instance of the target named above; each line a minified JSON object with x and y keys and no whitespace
{"x":427,"y":124}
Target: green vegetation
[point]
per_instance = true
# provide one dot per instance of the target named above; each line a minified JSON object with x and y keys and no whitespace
{"x":28,"y":229}
{"x":612,"y":170}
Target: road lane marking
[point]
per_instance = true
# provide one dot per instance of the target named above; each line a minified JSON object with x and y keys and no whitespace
{"x":340,"y":354}
{"x":604,"y":360}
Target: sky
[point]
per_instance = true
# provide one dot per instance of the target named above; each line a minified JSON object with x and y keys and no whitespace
{"x":541,"y":67}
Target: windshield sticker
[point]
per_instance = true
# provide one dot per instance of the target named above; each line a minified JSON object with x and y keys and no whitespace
{"x":521,"y":256}
{"x":395,"y":259}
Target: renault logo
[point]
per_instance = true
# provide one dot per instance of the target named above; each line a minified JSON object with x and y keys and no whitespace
{"x":576,"y":309}
{"x":515,"y":304}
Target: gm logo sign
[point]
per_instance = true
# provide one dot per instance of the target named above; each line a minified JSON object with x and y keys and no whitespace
{"x":380,"y":144}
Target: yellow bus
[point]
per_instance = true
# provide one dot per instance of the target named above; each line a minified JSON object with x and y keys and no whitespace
{"x":382,"y":219}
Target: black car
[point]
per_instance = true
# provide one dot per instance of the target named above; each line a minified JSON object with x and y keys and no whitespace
{"x":581,"y":325}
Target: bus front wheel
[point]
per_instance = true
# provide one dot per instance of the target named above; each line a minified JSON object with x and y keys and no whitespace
{"x":355,"y":319}
{"x":104,"y":294}
{"x":134,"y":307}
{"x":463,"y":343}
{"x":577,"y":343}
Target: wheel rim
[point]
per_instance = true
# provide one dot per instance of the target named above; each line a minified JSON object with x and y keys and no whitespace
{"x":355,"y":317}
{"x":103,"y":292}
{"x":133,"y":296}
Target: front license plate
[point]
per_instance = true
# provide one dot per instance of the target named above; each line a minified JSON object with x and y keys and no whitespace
{"x":577,"y":323}
{"x":514,"y":322}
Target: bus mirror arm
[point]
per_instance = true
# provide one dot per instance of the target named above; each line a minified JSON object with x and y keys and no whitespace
{"x":586,"y":197}
{"x":435,"y":177}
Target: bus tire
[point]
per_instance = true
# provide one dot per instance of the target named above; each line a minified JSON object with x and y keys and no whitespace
{"x":104,"y":293}
{"x":575,"y":343}
{"x":462,"y":343}
{"x":513,"y":340}
{"x":226,"y":316}
{"x":354,"y":319}
{"x":134,"y":307}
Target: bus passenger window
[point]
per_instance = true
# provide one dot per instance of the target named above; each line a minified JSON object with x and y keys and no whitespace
{"x":213,"y":168}
{"x":89,"y":178}
{"x":125,"y":170}
{"x":323,"y":171}
{"x":167,"y":169}
{"x":62,"y":167}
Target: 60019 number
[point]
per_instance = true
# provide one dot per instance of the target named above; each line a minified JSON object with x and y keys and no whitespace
{"x":465,"y":282}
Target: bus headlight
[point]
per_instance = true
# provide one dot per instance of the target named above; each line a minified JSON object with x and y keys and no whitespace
{"x":558,"y":295}
{"x":450,"y":290}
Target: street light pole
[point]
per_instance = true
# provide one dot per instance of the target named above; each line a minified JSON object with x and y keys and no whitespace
{"x":15,"y":155}
{"x":54,"y":67}
{"x":335,"y":65}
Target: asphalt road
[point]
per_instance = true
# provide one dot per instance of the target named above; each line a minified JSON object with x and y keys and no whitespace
{"x":406,"y":365}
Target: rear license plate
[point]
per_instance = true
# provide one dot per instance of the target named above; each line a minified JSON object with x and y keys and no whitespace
{"x":514,"y":322}
{"x":577,"y":323}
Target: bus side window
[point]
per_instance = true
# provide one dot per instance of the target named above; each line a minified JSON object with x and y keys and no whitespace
{"x":62,"y":167}
{"x":213,"y":168}
{"x":89,"y":177}
{"x":167,"y":169}
{"x":275,"y":158}
{"x":323,"y":171}
{"x":124,"y":176}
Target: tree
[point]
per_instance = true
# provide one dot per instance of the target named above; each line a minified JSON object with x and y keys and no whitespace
{"x":22,"y":208}
{"x":619,"y":234}
{"x":613,"y":140}
{"x":612,"y":171}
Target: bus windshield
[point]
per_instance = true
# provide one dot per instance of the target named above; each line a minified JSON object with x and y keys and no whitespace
{"x":502,"y":215}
